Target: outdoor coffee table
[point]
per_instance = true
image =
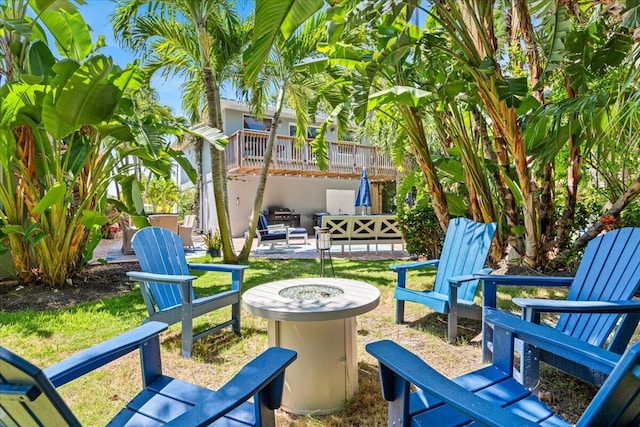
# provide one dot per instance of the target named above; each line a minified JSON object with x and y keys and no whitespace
{"x":316,"y":317}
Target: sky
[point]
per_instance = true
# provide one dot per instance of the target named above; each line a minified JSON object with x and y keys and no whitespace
{"x":97,"y":14}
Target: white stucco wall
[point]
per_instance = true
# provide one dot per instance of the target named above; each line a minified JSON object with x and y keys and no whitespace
{"x":305,"y":195}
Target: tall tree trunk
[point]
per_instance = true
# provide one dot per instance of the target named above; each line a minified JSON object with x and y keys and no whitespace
{"x":219,"y":169}
{"x":198,"y":143}
{"x":522,"y":25}
{"x":547,"y":208}
{"x":609,"y":217}
{"x":574,"y":174}
{"x":264,"y":173}
{"x":415,"y":130}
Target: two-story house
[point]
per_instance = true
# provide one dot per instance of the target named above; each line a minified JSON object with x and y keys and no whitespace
{"x":297,"y":190}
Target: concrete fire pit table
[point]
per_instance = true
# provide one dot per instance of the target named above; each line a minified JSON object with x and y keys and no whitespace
{"x":316,"y":317}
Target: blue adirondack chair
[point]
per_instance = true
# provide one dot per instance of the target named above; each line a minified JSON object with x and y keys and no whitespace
{"x":593,"y":312}
{"x":28,"y":395}
{"x":491,"y":396}
{"x":465,"y":250}
{"x":167,"y":286}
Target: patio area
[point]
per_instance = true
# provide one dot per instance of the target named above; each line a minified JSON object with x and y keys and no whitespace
{"x":109,"y":250}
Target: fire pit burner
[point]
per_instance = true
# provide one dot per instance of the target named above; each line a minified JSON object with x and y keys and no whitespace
{"x":310,"y":292}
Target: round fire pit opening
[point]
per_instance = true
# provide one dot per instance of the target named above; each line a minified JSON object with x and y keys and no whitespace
{"x":310,"y":292}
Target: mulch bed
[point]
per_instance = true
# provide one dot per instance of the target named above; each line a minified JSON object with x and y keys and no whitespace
{"x":95,"y":282}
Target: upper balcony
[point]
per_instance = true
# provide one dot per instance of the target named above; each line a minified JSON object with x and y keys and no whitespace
{"x":245,"y":154}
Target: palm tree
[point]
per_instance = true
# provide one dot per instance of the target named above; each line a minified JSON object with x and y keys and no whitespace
{"x":292,"y":86}
{"x":199,"y":39}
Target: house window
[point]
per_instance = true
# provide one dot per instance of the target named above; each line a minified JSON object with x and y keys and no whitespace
{"x":312,"y":131}
{"x":252,"y":123}
{"x":350,"y":136}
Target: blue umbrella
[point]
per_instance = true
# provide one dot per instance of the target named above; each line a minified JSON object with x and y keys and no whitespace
{"x":364,"y":192}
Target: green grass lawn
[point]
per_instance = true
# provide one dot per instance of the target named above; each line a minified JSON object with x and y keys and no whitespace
{"x":47,"y":337}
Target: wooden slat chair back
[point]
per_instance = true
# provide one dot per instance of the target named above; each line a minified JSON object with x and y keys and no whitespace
{"x":609,"y":271}
{"x":464,"y":252}
{"x":28,"y":395}
{"x":167,"y":285}
{"x":159,"y":252}
{"x":491,"y":395}
{"x":598,"y":309}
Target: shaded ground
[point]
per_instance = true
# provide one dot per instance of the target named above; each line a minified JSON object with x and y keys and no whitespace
{"x":95,"y":282}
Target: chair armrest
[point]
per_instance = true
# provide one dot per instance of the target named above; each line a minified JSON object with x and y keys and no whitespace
{"x":263,"y":376}
{"x":551,"y":340}
{"x":490,"y":283}
{"x":225,"y":268}
{"x":276,"y":227}
{"x":237,"y":272}
{"x":535,"y":305}
{"x":412,"y":265}
{"x":103,"y":353}
{"x":160,"y":278}
{"x":397,"y":362}
{"x":513,"y":280}
{"x":458,"y":281}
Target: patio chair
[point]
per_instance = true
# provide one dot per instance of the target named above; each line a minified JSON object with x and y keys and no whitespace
{"x":28,"y":395}
{"x":597,"y":310}
{"x":167,"y":286}
{"x":168,"y":221}
{"x":465,"y":250}
{"x":128,"y":231}
{"x":491,"y":396}
{"x":185,"y":231}
{"x":263,"y":224}
{"x":277,"y":233}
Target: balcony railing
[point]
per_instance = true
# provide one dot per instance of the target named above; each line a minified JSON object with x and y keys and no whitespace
{"x":246,"y":149}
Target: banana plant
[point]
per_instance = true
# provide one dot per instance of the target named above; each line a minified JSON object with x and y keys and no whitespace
{"x":66,"y":128}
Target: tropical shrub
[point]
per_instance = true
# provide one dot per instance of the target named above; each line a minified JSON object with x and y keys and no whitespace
{"x":162,"y":194}
{"x":420,"y":228}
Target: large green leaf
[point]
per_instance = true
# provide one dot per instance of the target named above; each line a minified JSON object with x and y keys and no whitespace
{"x":41,"y":5}
{"x":511,"y":90}
{"x":558,"y":26}
{"x":615,"y":50}
{"x":77,"y":155}
{"x":85,"y":98}
{"x":450,"y":166}
{"x":19,"y":26}
{"x":70,"y":32}
{"x":132,"y":195}
{"x":273,"y":18}
{"x":212,"y":135}
{"x":456,"y":204}
{"x":92,"y":218}
{"x":41,"y":60}
{"x":185,"y":164}
{"x":631,"y":18}
{"x":404,"y":95}
{"x":54,"y":195}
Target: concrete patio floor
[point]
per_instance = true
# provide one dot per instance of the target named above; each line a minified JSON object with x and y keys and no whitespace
{"x":109,"y":250}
